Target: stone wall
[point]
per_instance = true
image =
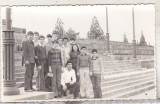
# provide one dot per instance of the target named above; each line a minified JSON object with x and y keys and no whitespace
{"x":120,"y":50}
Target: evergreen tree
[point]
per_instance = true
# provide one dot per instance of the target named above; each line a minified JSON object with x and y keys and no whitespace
{"x":59,"y":29}
{"x":142,"y":40}
{"x":71,"y":33}
{"x":125,"y":40}
{"x":95,"y":30}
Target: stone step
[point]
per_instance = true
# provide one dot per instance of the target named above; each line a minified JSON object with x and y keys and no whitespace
{"x":124,"y":66}
{"x":18,"y":70}
{"x":136,"y":91}
{"x":119,"y":69}
{"x":126,"y":75}
{"x":125,"y":84}
{"x":121,"y":62}
{"x":21,"y":84}
{"x":29,"y":96}
{"x":21,"y":73}
{"x":112,"y":93}
{"x":123,"y":71}
{"x":21,"y":79}
{"x":125,"y":80}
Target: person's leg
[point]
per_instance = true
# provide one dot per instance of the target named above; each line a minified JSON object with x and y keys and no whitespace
{"x":61,"y":91}
{"x":58,"y":79}
{"x":87,"y":84}
{"x":75,"y":68}
{"x":37,"y":79}
{"x":27,"y":78}
{"x":42,"y":84}
{"x":54,"y":83}
{"x":98,"y":81}
{"x":82,"y":83}
{"x":76,"y":88}
{"x":32,"y":73}
{"x":47,"y":79}
{"x":93,"y":78}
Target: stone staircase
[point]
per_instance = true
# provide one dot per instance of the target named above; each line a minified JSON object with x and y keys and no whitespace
{"x":123,"y":79}
{"x":20,"y":71}
{"x":120,"y":79}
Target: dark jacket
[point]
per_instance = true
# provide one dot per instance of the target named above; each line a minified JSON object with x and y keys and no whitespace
{"x":54,"y":57}
{"x":40,"y":52}
{"x":73,"y":57}
{"x":28,"y":51}
{"x":84,"y":61}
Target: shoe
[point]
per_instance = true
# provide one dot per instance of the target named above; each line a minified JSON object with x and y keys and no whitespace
{"x":75,"y":98}
{"x":35,"y":89}
{"x":87,"y":97}
{"x":29,"y":90}
{"x":56,"y":97}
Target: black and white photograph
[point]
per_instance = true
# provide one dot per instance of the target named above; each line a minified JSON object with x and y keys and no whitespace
{"x":76,"y":53}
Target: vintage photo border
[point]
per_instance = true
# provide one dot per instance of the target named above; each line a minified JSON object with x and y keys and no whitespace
{"x":157,"y":28}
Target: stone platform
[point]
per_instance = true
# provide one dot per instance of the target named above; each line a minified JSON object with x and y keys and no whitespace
{"x":28,"y":96}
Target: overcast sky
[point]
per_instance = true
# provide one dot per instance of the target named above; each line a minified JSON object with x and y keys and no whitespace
{"x":79,"y":18}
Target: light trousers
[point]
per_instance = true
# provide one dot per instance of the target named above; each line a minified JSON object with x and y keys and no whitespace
{"x":84,"y":82}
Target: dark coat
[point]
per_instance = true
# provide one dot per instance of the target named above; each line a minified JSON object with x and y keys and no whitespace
{"x":40,"y":52}
{"x":28,"y":51}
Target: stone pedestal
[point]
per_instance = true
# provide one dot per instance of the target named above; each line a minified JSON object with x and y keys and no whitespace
{"x":9,"y":84}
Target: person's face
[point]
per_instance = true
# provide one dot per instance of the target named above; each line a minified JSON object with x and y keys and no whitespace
{"x":65,"y":41}
{"x":75,"y":48}
{"x":49,"y":39}
{"x":41,"y":40}
{"x":31,"y":36}
{"x":36,"y":36}
{"x":69,"y":66}
{"x":84,"y":50}
{"x":94,"y":54}
{"x":72,"y":42}
{"x":60,"y":41}
{"x":54,"y":37}
{"x":55,"y":45}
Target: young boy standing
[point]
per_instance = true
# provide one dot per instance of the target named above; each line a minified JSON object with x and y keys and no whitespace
{"x":84,"y":72}
{"x":55,"y":65}
{"x":96,"y":63}
{"x":40,"y":51}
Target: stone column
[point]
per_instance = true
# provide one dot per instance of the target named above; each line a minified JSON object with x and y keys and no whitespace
{"x":107,"y":34}
{"x":9,"y":83}
{"x":108,"y":45}
{"x":134,"y":41}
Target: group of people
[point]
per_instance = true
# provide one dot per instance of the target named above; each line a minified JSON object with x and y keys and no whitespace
{"x":61,"y":65}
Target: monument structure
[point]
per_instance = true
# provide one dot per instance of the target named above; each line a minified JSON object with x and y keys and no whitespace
{"x":9,"y":83}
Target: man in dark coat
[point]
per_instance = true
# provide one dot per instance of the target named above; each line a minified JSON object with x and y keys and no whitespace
{"x":29,"y":60}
